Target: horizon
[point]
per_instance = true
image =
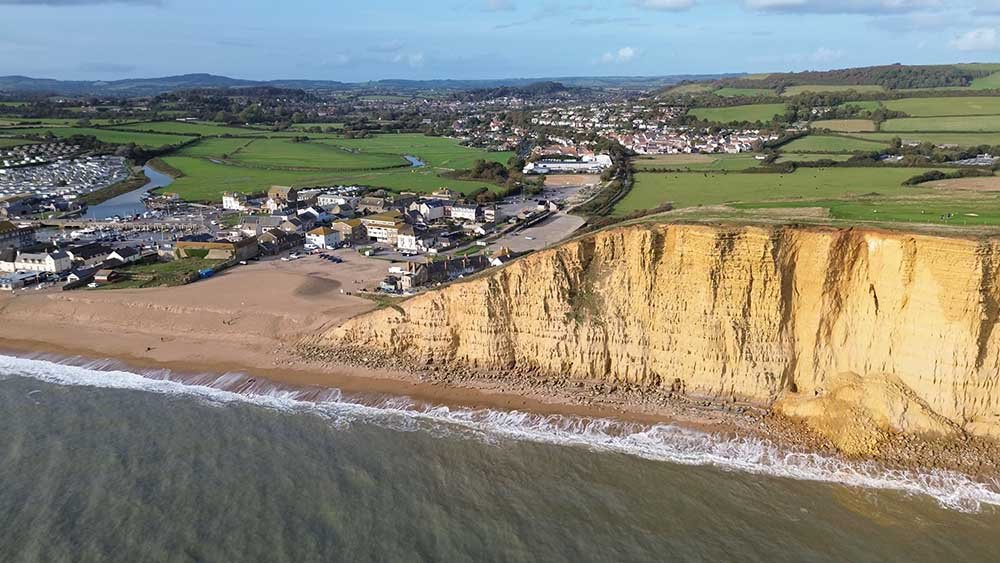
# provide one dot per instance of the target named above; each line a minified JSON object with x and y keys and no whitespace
{"x":500,"y":39}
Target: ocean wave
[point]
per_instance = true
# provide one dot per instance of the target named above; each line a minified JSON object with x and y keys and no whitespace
{"x":661,"y":442}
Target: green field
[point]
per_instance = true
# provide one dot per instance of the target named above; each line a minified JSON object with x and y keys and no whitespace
{"x":807,"y":157}
{"x":867,"y":105}
{"x":693,"y":189}
{"x":960,"y":139}
{"x":5,"y":142}
{"x":204,"y":129}
{"x":831,"y":143}
{"x":987,"y":82}
{"x":965,"y":211}
{"x":691,"y":89}
{"x":149,"y":140}
{"x":696,"y":162}
{"x":50,"y":122}
{"x":965,"y":124}
{"x":255,"y":164}
{"x":943,"y":107}
{"x":755,"y":112}
{"x":814,"y":88}
{"x":845,"y":125}
{"x":737,"y":92}
{"x":283,"y":154}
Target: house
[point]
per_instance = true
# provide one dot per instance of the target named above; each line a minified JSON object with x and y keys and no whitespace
{"x":412,"y":241}
{"x":466,"y":212}
{"x":126,"y":255}
{"x":81,"y":274}
{"x":106,"y":275}
{"x":324,"y":237}
{"x":17,"y":280}
{"x":12,"y":236}
{"x":232,"y":201}
{"x":383,"y":227}
{"x":342,"y":211}
{"x":254,"y":225}
{"x":16,"y":205}
{"x":445,"y":193}
{"x":244,"y":249}
{"x":53,"y":262}
{"x":7,"y":258}
{"x":284,"y":196}
{"x":373,"y":205}
{"x":492,"y":214}
{"x":276,"y":240}
{"x":351,"y":230}
{"x":88,"y":255}
{"x":429,"y":209}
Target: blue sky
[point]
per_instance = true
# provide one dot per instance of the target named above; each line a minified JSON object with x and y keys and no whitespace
{"x":354,"y":41}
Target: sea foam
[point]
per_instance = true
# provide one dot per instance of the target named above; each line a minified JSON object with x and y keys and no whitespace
{"x":661,"y":442}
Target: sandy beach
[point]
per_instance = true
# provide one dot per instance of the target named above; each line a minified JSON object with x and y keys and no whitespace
{"x":258,"y":319}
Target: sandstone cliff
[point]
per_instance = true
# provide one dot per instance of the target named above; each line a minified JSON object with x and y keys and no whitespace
{"x":849,"y":329}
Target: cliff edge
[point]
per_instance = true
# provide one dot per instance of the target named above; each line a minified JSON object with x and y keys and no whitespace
{"x":864,"y":334}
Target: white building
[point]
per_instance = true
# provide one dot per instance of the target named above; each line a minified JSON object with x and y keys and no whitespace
{"x":324,"y":237}
{"x":234,"y":201}
{"x":465,"y":212}
{"x":51,"y":262}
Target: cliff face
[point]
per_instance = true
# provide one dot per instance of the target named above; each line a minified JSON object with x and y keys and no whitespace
{"x":831,"y":325}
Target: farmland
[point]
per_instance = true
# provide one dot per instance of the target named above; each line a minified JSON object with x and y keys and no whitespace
{"x":812,"y":157}
{"x":966,"y":124}
{"x":203,"y":129}
{"x":737,"y":92}
{"x":832,"y":144}
{"x":968,"y":211}
{"x":959,"y":139}
{"x":697,"y":162}
{"x":845,"y":125}
{"x":148,"y":140}
{"x":944,"y":107}
{"x":990,"y":82}
{"x":689,"y":190}
{"x":214,"y":166}
{"x":796,"y":90}
{"x":754,"y":112}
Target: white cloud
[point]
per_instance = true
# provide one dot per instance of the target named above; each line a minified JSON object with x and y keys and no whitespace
{"x":982,"y":39}
{"x":825,"y":55}
{"x":623,"y":55}
{"x":842,"y":6}
{"x":664,"y":5}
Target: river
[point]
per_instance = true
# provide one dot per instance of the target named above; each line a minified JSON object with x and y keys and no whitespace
{"x":130,"y":203}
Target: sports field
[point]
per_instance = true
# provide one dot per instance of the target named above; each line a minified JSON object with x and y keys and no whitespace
{"x":947,"y":106}
{"x":845,"y":125}
{"x":692,"y":189}
{"x":148,"y":140}
{"x":966,"y":124}
{"x":754,"y":112}
{"x":831,"y":143}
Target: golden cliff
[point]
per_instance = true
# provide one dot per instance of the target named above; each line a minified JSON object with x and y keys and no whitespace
{"x":854,"y":331}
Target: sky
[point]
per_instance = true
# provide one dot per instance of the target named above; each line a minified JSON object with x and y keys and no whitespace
{"x":467,"y":39}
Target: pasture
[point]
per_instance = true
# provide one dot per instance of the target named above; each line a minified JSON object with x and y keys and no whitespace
{"x":203,"y":129}
{"x":753,"y":112}
{"x":960,"y":139}
{"x":845,"y":125}
{"x":812,"y":157}
{"x":285,"y":154}
{"x":963,"y":124}
{"x":692,"y":189}
{"x":990,"y":82}
{"x":831,"y":144}
{"x":148,"y":140}
{"x":817,"y":88}
{"x":946,"y":106}
{"x":696,"y":162}
{"x":968,"y":211}
{"x":739,"y":92}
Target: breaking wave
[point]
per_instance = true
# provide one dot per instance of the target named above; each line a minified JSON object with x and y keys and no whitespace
{"x":661,"y":442}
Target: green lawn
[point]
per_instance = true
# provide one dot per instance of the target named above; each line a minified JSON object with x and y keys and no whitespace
{"x":831,"y":143}
{"x":170,"y":273}
{"x":150,"y":140}
{"x":694,"y":189}
{"x":960,"y":139}
{"x":968,"y":124}
{"x":738,"y":92}
{"x":796,"y":90}
{"x":947,"y":106}
{"x":754,"y":112}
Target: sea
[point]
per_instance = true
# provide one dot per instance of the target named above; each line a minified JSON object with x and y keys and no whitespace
{"x":102,"y":462}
